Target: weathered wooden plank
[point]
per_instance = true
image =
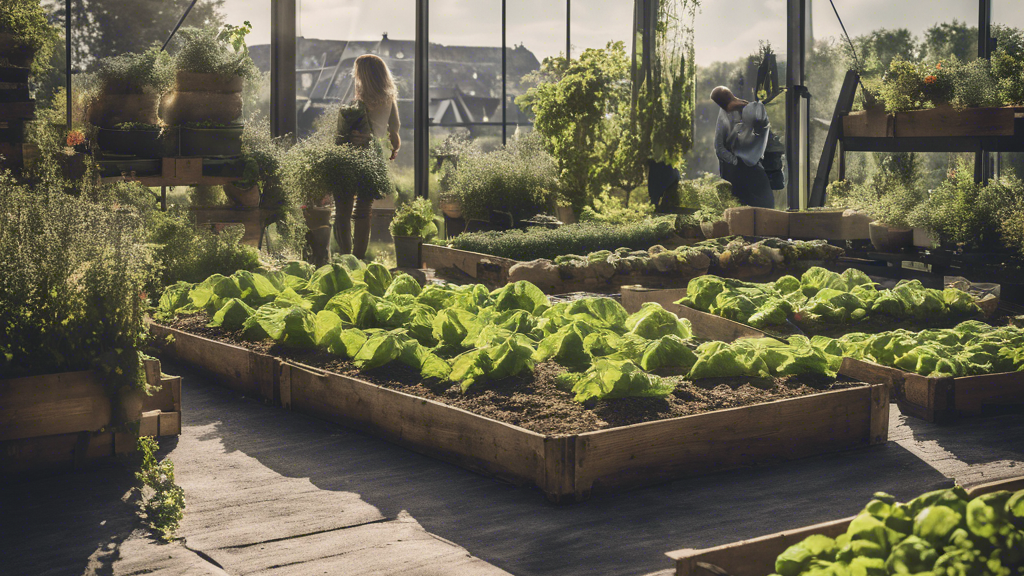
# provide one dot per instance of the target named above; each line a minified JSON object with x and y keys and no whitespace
{"x":149,"y":424}
{"x":771,"y":223}
{"x":441,"y":257}
{"x":230,"y":363}
{"x":756,"y":557}
{"x":869,"y":124}
{"x":732,"y":438}
{"x":871,"y":373}
{"x":166,"y":398}
{"x":47,"y":453}
{"x":170,"y":424}
{"x":427,"y":426}
{"x":880,"y":399}
{"x":973,"y":393}
{"x":945,"y":122}
{"x":814,"y":225}
{"x":52,"y":404}
{"x":266,"y":371}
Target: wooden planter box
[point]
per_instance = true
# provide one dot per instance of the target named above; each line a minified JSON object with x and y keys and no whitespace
{"x":869,"y":124}
{"x":565,"y":468}
{"x":57,"y":420}
{"x":942,"y":399}
{"x":756,"y":557}
{"x":940,"y":122}
{"x":811,"y":225}
{"x":238,"y":368}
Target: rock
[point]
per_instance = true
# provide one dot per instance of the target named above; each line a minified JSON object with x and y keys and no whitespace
{"x":542,"y":273}
{"x":604,"y":270}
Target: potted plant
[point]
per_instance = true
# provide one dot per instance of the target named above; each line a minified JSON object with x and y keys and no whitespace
{"x":446,"y":163}
{"x":413,"y":223}
{"x":73,"y":158}
{"x":24,"y":33}
{"x":124,"y":108}
{"x":211,"y":68}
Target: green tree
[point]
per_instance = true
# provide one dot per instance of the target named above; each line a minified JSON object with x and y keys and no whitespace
{"x":948,"y":39}
{"x":577,"y":106}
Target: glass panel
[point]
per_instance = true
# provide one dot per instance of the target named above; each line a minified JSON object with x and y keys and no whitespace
{"x":595,"y":23}
{"x":1008,"y":19}
{"x":727,"y":37}
{"x":257,"y":13}
{"x":534,"y":31}
{"x":908,"y":33}
{"x":331,"y":35}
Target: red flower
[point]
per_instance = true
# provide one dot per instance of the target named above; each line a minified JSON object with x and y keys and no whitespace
{"x":930,"y":79}
{"x":75,"y":137}
{"x":939,"y":66}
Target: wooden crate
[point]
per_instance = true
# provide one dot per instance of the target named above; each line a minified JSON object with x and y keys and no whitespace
{"x":810,"y":225}
{"x":944,"y":121}
{"x":58,"y":420}
{"x":481,"y":267}
{"x":566,"y":468}
{"x":238,"y":368}
{"x":756,"y":557}
{"x":869,"y":124}
{"x":942,"y":399}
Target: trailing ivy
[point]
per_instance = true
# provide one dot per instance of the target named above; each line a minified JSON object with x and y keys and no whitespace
{"x":162,"y":500}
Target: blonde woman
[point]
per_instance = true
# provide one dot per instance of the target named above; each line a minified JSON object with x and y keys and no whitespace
{"x":375,"y":90}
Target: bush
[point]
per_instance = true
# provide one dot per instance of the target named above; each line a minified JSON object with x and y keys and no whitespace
{"x":318,"y":168}
{"x":414,"y":218}
{"x":710,"y":195}
{"x":149,"y":71}
{"x":183,"y":253}
{"x":582,"y":238}
{"x":891,"y":195}
{"x":212,"y":51}
{"x":611,"y":209}
{"x":973,"y":85}
{"x":27,"y":19}
{"x":72,"y":280}
{"x":902,"y":87}
{"x":518,"y":179}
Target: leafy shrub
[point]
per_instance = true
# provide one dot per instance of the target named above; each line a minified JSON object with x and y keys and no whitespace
{"x":902,"y":87}
{"x":610,"y":209}
{"x":891,"y":195}
{"x":183,"y":253}
{"x":164,"y":507}
{"x":212,"y":51}
{"x":414,"y":218}
{"x":27,"y":19}
{"x":72,"y":280}
{"x":518,"y":178}
{"x":710,"y":195}
{"x":973,"y":85}
{"x":149,"y":71}
{"x":318,"y":168}
{"x":581,"y":238}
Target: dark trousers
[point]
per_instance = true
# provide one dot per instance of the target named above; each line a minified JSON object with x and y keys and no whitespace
{"x":750,"y":184}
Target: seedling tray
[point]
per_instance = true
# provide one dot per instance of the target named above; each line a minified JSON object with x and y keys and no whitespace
{"x":756,"y":557}
{"x":565,"y":467}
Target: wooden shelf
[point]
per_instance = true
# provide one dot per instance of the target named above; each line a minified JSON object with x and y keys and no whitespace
{"x":176,"y":172}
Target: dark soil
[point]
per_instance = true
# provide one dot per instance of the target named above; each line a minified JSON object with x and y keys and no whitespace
{"x":533,"y":401}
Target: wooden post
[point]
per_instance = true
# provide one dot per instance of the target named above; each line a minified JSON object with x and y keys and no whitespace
{"x":843,"y":106}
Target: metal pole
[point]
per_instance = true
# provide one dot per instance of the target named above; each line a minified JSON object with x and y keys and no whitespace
{"x":283,"y":115}
{"x":981,"y":171}
{"x":421,"y":100}
{"x":568,"y":28}
{"x":795,"y":52}
{"x":178,"y":25}
{"x":67,"y":57}
{"x":504,"y":77}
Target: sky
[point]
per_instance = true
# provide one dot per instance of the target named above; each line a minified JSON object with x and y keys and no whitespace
{"x":725,"y":29}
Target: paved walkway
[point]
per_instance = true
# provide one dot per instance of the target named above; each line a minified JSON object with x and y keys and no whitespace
{"x":273,"y":492}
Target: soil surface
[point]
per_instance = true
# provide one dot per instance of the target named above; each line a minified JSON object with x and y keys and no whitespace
{"x":534,"y":401}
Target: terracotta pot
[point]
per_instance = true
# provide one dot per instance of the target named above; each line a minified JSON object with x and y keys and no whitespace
{"x":182,"y":107}
{"x":15,"y":50}
{"x":409,"y":251}
{"x":109,"y":110}
{"x":886,"y":239}
{"x":451,"y":208}
{"x":204,"y":82}
{"x":248,"y":197}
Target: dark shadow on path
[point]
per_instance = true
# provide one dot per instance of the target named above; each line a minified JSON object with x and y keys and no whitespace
{"x":517,"y":529}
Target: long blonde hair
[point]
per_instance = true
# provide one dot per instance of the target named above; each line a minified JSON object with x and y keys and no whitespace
{"x":374,"y":84}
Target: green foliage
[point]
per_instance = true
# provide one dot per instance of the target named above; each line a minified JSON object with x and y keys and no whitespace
{"x":609,"y":208}
{"x":608,"y":379}
{"x":581,"y":238}
{"x":149,"y":71}
{"x":183,"y":253}
{"x":710,"y":195}
{"x":447,"y":155}
{"x":73,"y":273}
{"x":902,"y":87}
{"x":575,"y":109}
{"x":939,"y":532}
{"x":318,"y":168}
{"x":970,"y":348}
{"x":760,"y":358}
{"x":666,"y":103}
{"x":822,"y":298}
{"x":973,"y":85}
{"x":414,"y":218}
{"x":163,"y":504}
{"x":27,"y":20}
{"x":891,"y":195}
{"x":208,"y":50}
{"x":519,"y":178}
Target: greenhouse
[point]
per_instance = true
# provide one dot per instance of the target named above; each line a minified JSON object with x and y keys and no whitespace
{"x":512,"y":287}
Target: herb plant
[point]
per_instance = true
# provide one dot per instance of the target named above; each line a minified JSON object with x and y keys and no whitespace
{"x":162,"y":500}
{"x":26,"y":20}
{"x":213,"y":51}
{"x":415,"y":218}
{"x":318,"y":168}
{"x":151,"y":71}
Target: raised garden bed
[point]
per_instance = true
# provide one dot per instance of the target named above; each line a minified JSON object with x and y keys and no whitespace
{"x":59,"y":420}
{"x":933,"y":123}
{"x":566,"y":467}
{"x":810,"y":225}
{"x":756,"y":557}
{"x":943,"y":399}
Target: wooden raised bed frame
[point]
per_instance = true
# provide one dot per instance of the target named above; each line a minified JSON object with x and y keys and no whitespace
{"x":565,"y":468}
{"x":756,"y":557}
{"x":56,"y":420}
{"x":941,"y":399}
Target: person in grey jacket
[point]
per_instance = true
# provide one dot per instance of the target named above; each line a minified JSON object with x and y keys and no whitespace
{"x":740,"y":140}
